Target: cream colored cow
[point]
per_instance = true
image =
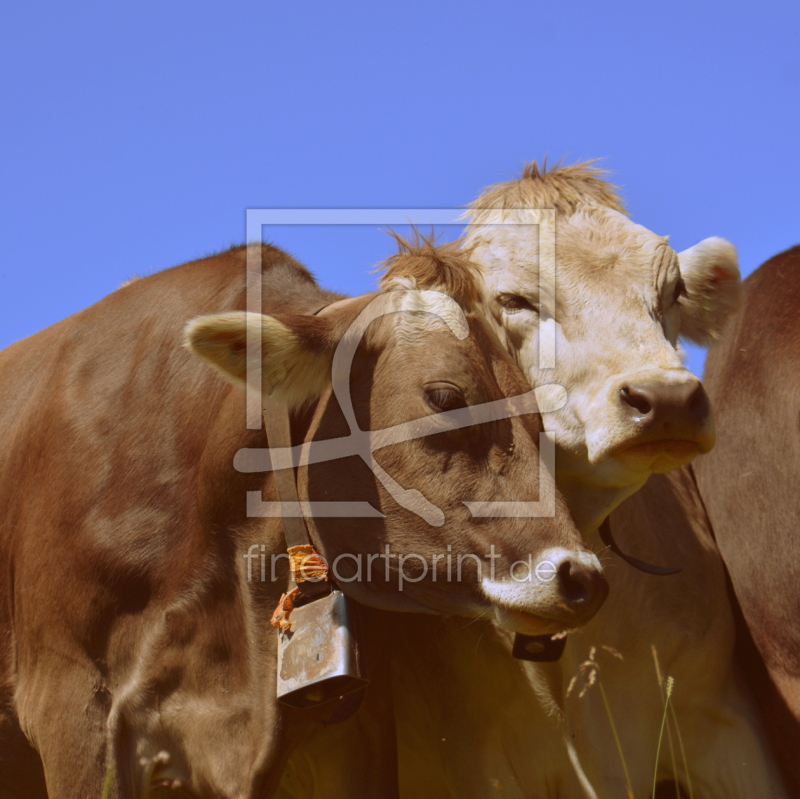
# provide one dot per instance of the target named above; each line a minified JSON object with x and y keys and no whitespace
{"x":473,"y":722}
{"x":615,"y":298}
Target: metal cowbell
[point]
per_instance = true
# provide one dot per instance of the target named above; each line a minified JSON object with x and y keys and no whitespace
{"x":319,"y":658}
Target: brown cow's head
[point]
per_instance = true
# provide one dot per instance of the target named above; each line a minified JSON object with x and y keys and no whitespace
{"x":614,"y":298}
{"x":422,"y":359}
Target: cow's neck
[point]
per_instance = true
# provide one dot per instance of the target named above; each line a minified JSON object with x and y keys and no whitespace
{"x":590,"y":504}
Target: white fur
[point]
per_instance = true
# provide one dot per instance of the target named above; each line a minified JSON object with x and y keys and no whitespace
{"x":710,"y":270}
{"x":540,"y":589}
{"x":423,"y":310}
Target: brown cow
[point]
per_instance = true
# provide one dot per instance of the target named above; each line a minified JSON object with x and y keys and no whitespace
{"x":750,"y":487}
{"x":130,"y":624}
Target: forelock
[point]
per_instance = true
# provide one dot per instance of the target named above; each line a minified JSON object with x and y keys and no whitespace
{"x":566,"y":188}
{"x":445,"y":268}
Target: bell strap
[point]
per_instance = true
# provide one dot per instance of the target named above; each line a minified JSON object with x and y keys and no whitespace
{"x":309,"y":570}
{"x":648,"y":568}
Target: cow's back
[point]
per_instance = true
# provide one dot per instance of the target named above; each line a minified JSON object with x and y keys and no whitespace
{"x":109,"y":396}
{"x":750,"y":484}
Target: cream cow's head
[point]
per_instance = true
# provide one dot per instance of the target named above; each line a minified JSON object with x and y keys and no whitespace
{"x":613,"y":298}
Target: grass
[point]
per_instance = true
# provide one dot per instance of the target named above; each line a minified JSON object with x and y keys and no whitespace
{"x":107,"y":782}
{"x":628,"y":786}
{"x":670,"y":685}
{"x":674,"y":719}
{"x":589,"y":673}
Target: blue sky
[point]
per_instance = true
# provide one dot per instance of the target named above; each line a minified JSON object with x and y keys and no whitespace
{"x":135,"y":136}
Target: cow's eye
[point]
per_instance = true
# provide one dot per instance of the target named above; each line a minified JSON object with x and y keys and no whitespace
{"x":515,"y":302}
{"x":679,"y":291}
{"x":444,"y":397}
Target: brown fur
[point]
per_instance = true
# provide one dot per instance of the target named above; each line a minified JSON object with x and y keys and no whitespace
{"x":127,"y":622}
{"x":445,"y":267}
{"x":474,"y":722}
{"x":749,"y":483}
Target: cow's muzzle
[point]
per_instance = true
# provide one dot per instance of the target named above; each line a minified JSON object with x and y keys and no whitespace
{"x":566,"y":593}
{"x":672,"y":420}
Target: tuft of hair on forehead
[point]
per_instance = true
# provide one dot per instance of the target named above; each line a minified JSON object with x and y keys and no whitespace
{"x":567,"y":188}
{"x":426,"y":265}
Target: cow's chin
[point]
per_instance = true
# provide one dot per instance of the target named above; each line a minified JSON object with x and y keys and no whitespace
{"x":657,"y":457}
{"x":519,"y":621}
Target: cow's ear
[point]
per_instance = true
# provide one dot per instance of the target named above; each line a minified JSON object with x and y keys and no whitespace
{"x":296,"y":351}
{"x":710,"y":271}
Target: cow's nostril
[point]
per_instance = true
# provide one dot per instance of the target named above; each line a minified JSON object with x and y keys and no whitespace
{"x":678,"y":408}
{"x":582,"y":588}
{"x":699,"y":407}
{"x":636,"y":399}
{"x":574,"y":585}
